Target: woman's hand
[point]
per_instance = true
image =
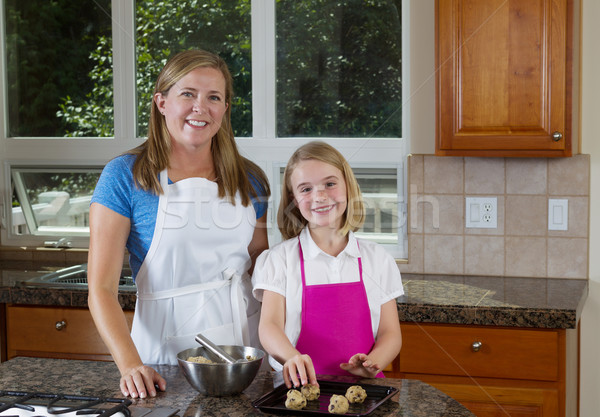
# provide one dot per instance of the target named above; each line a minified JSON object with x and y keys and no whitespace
{"x":141,"y":382}
{"x":299,"y":365}
{"x":361,"y":365}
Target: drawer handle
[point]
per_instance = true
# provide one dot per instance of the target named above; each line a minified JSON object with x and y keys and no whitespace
{"x":60,"y":325}
{"x":476,"y":346}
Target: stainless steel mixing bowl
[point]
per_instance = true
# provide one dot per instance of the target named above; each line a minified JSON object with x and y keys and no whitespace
{"x":220,"y":379}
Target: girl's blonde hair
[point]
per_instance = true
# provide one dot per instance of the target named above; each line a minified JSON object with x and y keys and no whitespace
{"x":289,"y":219}
{"x":231,"y":168}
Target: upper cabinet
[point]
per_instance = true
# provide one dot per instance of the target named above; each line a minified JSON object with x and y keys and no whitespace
{"x":505,"y":77}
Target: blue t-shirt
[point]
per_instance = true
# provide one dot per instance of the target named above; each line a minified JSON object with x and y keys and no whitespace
{"x":116,"y":190}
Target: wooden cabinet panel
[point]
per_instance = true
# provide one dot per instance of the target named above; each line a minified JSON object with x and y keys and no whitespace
{"x":515,"y":371}
{"x":450,"y":352}
{"x":54,"y":332}
{"x":514,"y":402}
{"x":504,"y":77}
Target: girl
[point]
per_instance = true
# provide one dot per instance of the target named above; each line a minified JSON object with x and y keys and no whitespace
{"x":328,"y":298}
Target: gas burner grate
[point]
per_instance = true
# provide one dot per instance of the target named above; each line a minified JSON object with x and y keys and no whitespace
{"x":62,"y":404}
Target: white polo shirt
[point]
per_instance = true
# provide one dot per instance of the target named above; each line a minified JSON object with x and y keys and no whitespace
{"x":278,"y":270}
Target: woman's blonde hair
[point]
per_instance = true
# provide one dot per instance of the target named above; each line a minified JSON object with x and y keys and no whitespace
{"x":231,"y":168}
{"x":289,"y":219}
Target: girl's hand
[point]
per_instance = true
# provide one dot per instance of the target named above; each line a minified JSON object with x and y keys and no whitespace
{"x":141,"y":382}
{"x":361,"y":365}
{"x":302,"y":366}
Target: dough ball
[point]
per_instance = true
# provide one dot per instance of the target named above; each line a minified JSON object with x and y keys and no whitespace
{"x":338,"y":404}
{"x":356,"y":394}
{"x":295,"y":400}
{"x":310,"y":392}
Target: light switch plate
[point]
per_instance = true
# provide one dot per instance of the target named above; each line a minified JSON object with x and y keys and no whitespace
{"x":558,"y":214}
{"x":481,"y":212}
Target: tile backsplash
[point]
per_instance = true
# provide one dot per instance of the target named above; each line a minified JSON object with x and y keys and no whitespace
{"x":521,"y":245}
{"x":439,"y":242}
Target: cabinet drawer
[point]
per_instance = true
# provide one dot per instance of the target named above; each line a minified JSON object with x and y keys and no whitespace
{"x":53,"y":331}
{"x":531,"y":354}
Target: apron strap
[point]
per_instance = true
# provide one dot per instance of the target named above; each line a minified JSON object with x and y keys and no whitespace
{"x":238,"y":307}
{"x":238,"y":303}
{"x":189,"y":289}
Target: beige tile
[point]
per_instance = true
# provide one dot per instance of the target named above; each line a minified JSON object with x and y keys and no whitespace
{"x":579,"y":218}
{"x":525,"y":256}
{"x":415,"y":171}
{"x":499,"y":230}
{"x":526,"y":215}
{"x":415,"y":255}
{"x":443,"y":254}
{"x":443,"y":175}
{"x":526,"y":175}
{"x":444,"y":214}
{"x":569,"y":176}
{"x":416,"y":202}
{"x":567,"y":258}
{"x":484,"y":255}
{"x":484,"y":176}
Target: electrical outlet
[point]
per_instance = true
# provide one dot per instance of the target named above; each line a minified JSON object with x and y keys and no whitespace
{"x":481,"y":212}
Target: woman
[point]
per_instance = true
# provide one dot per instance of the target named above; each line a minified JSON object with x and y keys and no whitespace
{"x":192,"y":213}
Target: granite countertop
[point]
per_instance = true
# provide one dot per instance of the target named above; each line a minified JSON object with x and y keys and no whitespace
{"x":101,"y":379}
{"x":492,"y":301}
{"x":468,"y":300}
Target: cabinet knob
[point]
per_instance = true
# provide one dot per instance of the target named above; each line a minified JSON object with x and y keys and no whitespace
{"x":60,"y":325}
{"x":556,"y":136}
{"x":475,"y":346}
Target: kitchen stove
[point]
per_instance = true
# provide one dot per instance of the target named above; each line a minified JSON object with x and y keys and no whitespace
{"x":27,"y":404}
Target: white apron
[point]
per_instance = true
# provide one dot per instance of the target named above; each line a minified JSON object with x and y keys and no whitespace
{"x":194,"y":278}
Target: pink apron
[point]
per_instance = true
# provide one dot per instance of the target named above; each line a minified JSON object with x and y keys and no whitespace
{"x":336,"y":322}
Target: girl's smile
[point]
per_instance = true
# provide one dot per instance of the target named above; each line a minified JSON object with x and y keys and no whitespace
{"x":320,"y":193}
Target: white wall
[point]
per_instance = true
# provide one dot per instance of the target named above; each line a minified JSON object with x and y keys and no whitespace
{"x":422,"y":133}
{"x":590,"y":131}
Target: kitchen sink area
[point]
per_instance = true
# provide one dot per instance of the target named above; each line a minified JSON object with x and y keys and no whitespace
{"x":76,"y":277}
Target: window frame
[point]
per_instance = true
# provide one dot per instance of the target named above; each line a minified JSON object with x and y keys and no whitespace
{"x":264,"y":147}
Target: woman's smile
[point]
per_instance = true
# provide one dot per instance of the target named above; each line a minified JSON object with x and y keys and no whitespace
{"x":196,"y":123}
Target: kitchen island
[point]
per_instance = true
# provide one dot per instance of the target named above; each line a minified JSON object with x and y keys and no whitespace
{"x":101,"y":379}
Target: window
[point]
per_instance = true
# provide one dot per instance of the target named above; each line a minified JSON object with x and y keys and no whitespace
{"x":54,"y":65}
{"x":313,"y":69}
{"x":56,"y":201}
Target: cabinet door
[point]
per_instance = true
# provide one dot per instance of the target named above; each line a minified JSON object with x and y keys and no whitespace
{"x":493,"y":371}
{"x":503,"y":77}
{"x":54,"y":332}
{"x":489,"y":401}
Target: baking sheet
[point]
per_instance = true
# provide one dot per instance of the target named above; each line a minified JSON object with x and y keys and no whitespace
{"x":274,"y":401}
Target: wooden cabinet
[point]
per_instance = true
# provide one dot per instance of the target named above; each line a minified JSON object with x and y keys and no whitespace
{"x":505,"y":77}
{"x":493,"y":371}
{"x":54,"y":332}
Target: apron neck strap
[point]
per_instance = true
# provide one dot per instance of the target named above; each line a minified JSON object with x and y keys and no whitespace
{"x":360,"y":272}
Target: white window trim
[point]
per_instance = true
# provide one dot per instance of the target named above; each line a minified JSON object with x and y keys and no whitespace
{"x":264,"y":147}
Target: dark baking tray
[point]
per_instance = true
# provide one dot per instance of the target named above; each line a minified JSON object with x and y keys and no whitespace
{"x":274,"y":401}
